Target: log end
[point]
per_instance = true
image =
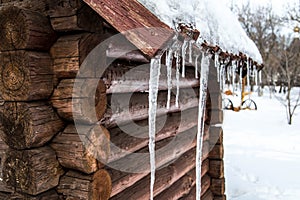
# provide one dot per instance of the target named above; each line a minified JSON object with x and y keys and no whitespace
{"x":102,"y":185}
{"x":24,"y":29}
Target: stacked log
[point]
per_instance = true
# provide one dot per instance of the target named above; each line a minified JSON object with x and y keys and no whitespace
{"x":74,"y":185}
{"x":216,"y":155}
{"x":67,"y":152}
{"x":29,"y":167}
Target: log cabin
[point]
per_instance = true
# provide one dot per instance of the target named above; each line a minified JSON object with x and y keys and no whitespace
{"x":52,"y":148}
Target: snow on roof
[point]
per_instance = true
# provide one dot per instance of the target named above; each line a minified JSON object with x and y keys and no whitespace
{"x":216,"y":23}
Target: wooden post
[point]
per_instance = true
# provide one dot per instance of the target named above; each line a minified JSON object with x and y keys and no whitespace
{"x":31,"y":171}
{"x":74,"y":185}
{"x":80,"y":150}
{"x":70,"y":51}
{"x":24,"y":29}
{"x":25,"y":76}
{"x":27,"y":125}
{"x":78,"y":102}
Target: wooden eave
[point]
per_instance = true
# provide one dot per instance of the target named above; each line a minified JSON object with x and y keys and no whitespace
{"x":135,"y":22}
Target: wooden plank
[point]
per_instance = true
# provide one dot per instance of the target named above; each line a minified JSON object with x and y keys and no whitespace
{"x":32,"y":171}
{"x":134,"y":16}
{"x":73,"y":103}
{"x":121,"y":77}
{"x":24,"y":29}
{"x":133,"y":136}
{"x":183,"y":186}
{"x":77,"y":186}
{"x":81,"y":150}
{"x":25,"y":76}
{"x":123,"y":108}
{"x":69,"y":51}
{"x":140,"y":181}
{"x":27,"y":125}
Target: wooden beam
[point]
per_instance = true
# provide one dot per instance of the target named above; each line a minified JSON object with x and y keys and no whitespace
{"x":123,"y":78}
{"x":184,"y":186}
{"x":78,"y":103}
{"x":80,"y":150}
{"x":123,"y":108}
{"x":24,"y":29}
{"x":133,"y":16}
{"x":32,"y":171}
{"x":136,"y":137}
{"x":28,"y":125}
{"x":82,"y":18}
{"x":218,"y":186}
{"x":69,"y":51}
{"x":216,"y":168}
{"x":74,"y":185}
{"x":25,"y":76}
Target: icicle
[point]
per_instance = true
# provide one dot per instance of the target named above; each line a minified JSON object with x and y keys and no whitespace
{"x":241,"y":77}
{"x":218,"y":73}
{"x":259,"y":77}
{"x":233,"y":69}
{"x":191,"y":51}
{"x":196,"y":66}
{"x":220,"y":76}
{"x":255,"y":77}
{"x":169,"y":56}
{"x":217,"y":60}
{"x":248,"y":75}
{"x":183,"y":53}
{"x":153,"y":91}
{"x":224,"y":79}
{"x":177,"y":78}
{"x":201,"y":111}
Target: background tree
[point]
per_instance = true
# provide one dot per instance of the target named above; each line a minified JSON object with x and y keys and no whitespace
{"x":280,"y":56}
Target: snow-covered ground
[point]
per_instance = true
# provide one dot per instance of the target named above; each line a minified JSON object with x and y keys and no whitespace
{"x":262,"y":152}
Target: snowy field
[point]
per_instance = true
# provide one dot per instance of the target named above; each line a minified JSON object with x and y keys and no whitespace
{"x":262,"y":152}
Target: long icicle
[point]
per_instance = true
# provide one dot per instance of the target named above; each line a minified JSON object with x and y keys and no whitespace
{"x":201,"y":112}
{"x":183,"y":53}
{"x":196,"y":66}
{"x":177,"y":78}
{"x":153,"y":91}
{"x":169,"y":58}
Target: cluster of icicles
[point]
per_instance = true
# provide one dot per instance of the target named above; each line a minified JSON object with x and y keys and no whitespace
{"x":177,"y":51}
{"x":231,"y":73}
{"x":226,"y":73}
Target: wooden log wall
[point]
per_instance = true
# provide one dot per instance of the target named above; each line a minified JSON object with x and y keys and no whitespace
{"x":45,"y":156}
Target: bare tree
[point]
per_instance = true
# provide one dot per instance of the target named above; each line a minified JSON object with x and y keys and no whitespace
{"x":281,"y":57}
{"x":263,"y":27}
{"x":290,"y":75}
